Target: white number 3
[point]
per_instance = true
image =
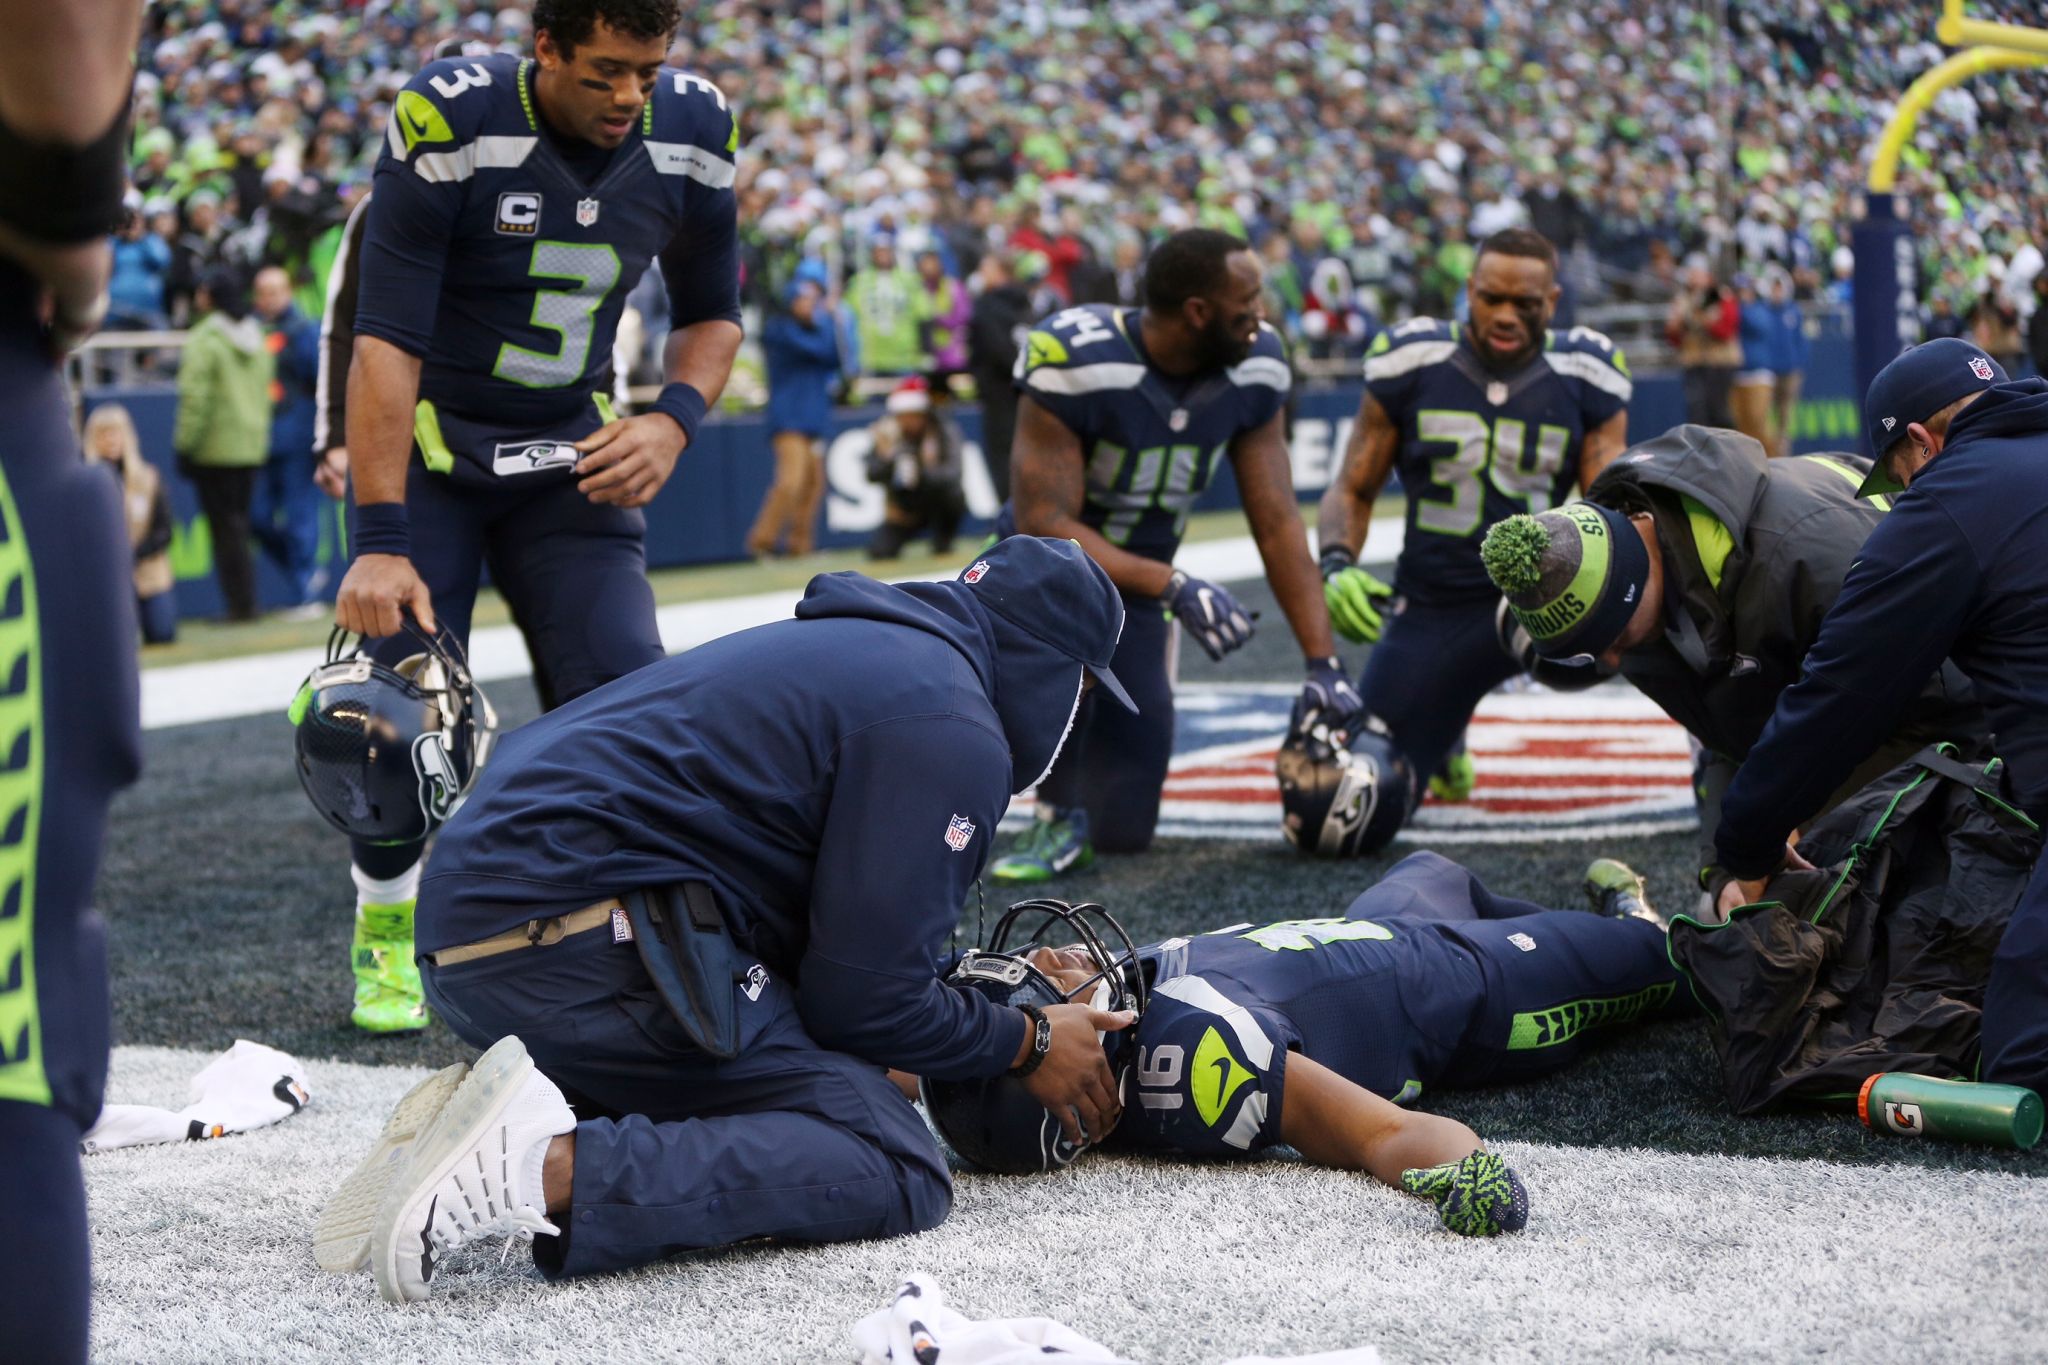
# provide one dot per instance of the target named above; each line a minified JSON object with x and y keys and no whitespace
{"x":472,"y":75}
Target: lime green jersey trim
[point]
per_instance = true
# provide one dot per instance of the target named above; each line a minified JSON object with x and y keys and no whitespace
{"x":1709,"y":537}
{"x":523,"y":81}
{"x":605,"y":411}
{"x":1562,"y":1023}
{"x":426,"y":432}
{"x":23,"y":1075}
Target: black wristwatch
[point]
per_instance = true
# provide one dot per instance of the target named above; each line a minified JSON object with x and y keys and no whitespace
{"x":1041,"y":1042}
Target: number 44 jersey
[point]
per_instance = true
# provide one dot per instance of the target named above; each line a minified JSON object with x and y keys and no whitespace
{"x":501,"y":254}
{"x":1477,"y":446}
{"x":1149,"y":441}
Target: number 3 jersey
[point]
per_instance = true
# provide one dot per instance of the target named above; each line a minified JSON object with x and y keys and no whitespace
{"x":1384,"y":1003}
{"x":1477,"y":447}
{"x":1150,"y":441}
{"x":500,"y":253}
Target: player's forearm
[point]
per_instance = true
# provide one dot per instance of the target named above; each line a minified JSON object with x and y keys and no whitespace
{"x":1336,"y":1122}
{"x":1283,"y":547}
{"x":1343,"y":518}
{"x":1133,"y":574}
{"x":383,"y":388}
{"x":701,"y":356}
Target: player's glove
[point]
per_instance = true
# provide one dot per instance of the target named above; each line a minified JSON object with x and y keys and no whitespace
{"x":1210,"y":614}
{"x":1327,"y":698}
{"x":1352,"y":595}
{"x":1476,"y":1197}
{"x":1560,"y":675}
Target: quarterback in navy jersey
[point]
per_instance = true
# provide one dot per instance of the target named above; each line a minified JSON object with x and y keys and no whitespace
{"x":1124,"y":416}
{"x":1483,"y":421}
{"x":515,"y":203}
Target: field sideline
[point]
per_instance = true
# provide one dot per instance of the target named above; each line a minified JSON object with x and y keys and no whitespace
{"x":1661,"y":1227}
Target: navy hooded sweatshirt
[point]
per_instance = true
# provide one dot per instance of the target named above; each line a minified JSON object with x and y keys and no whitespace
{"x":837,"y":778}
{"x":1958,"y":569}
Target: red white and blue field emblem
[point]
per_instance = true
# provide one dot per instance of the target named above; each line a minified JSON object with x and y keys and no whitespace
{"x":958,"y":831}
{"x":1552,"y":766}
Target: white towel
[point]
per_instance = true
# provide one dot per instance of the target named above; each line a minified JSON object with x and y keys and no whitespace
{"x":917,"y":1328}
{"x":248,"y":1086}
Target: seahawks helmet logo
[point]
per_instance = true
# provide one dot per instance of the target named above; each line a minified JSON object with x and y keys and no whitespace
{"x":440,"y":789}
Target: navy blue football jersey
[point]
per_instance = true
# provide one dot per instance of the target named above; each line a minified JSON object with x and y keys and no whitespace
{"x":1151,"y":441}
{"x":1477,"y":447}
{"x":1383,"y":1003}
{"x":488,"y":255}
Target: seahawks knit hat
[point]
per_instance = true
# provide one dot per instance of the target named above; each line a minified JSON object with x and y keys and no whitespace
{"x":1572,"y":576}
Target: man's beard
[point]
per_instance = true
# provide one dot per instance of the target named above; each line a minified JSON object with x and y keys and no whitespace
{"x":1221,"y":348}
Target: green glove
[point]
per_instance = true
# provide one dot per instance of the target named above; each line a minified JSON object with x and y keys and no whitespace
{"x":1352,"y":596}
{"x":1476,"y":1197}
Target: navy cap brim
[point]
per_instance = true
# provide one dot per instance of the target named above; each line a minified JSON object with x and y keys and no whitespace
{"x":1106,"y":680}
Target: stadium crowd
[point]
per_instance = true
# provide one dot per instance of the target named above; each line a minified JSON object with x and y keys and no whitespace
{"x":1355,"y":143}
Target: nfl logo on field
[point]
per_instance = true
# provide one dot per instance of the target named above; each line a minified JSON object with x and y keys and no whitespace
{"x":958,"y":831}
{"x":1980,"y":367}
{"x":586,"y":212}
{"x":975,"y":574}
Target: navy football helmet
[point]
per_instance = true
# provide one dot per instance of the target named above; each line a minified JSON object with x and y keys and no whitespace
{"x":994,"y":1122}
{"x":1343,"y":796}
{"x":387,"y":754}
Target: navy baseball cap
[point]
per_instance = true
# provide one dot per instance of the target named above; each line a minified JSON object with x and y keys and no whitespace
{"x":1051,"y":590}
{"x":1920,"y":382}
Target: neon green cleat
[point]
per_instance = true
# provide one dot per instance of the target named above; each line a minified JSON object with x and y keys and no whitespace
{"x":1456,"y":781}
{"x":1616,"y":890}
{"x":389,"y":998}
{"x":1057,"y":842}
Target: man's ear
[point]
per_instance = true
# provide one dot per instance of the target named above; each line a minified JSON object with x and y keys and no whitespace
{"x":1927,"y":439}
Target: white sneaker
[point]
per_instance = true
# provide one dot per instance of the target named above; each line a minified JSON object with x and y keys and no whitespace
{"x":475,"y":1173}
{"x":341,"y":1239}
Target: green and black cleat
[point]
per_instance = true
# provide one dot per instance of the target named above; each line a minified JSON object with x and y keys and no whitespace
{"x":1616,"y":890}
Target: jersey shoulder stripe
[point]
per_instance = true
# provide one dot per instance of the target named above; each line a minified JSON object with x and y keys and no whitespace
{"x":690,"y":130}
{"x":1591,"y":369}
{"x":1079,"y":350}
{"x":1406,"y":358}
{"x":1080,"y":379}
{"x":459,"y":115}
{"x":1259,"y":1050}
{"x":1266,"y":365}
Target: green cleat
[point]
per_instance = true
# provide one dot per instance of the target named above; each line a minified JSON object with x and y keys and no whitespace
{"x":1057,"y":842}
{"x":389,"y":998}
{"x":1456,"y":780}
{"x":1616,"y":890}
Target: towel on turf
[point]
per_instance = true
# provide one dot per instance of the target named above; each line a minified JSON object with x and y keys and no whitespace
{"x":917,"y":1328}
{"x":248,"y":1086}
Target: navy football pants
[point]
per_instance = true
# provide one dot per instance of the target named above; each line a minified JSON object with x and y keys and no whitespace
{"x":2016,"y":997}
{"x":676,"y":1151}
{"x":573,"y":572}
{"x":1114,"y":763}
{"x":1548,"y":978}
{"x":69,"y":738}
{"x":1427,"y":673}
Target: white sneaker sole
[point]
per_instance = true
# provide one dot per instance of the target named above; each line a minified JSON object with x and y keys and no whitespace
{"x":341,"y":1238}
{"x":479,"y":1102}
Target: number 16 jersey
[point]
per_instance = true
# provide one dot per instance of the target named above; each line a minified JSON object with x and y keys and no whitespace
{"x":492,"y":257}
{"x":1477,"y":446}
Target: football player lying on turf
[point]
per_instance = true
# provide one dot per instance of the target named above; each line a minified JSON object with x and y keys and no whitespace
{"x":1311,"y":1033}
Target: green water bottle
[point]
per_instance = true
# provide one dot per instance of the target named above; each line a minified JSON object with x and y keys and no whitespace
{"x":1906,"y":1105}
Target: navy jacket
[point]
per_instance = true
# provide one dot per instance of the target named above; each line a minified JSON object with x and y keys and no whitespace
{"x":1958,"y":569}
{"x":837,"y":778}
{"x":803,"y":368}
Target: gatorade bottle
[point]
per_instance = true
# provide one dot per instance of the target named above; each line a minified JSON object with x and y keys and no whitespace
{"x":1907,"y":1105}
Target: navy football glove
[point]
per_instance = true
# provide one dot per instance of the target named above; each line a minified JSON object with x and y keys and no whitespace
{"x":1327,"y":698}
{"x":1210,"y":614}
{"x":1476,"y":1197}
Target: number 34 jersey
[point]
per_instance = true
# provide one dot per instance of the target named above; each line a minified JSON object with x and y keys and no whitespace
{"x":1476,"y":447}
{"x":1149,"y":441}
{"x":488,"y":255}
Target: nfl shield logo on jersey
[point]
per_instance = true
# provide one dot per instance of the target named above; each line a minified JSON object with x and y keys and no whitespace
{"x":586,"y":212}
{"x":975,"y":574}
{"x":958,"y":831}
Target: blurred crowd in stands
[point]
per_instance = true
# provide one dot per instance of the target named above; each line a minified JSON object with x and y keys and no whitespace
{"x":1363,"y":147}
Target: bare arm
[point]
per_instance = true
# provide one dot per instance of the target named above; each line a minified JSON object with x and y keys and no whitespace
{"x":1346,"y":513}
{"x":1334,"y":1122}
{"x":1603,"y":445}
{"x":383,"y":387}
{"x":1265,"y":483}
{"x":1047,"y":482}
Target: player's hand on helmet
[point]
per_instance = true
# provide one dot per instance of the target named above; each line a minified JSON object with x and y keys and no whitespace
{"x":626,"y":462}
{"x":1209,"y":613}
{"x":331,"y":474}
{"x":1476,"y":1197}
{"x":375,"y":593}
{"x":1353,"y":596}
{"x":1327,"y":698}
{"x":1074,"y":1080}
